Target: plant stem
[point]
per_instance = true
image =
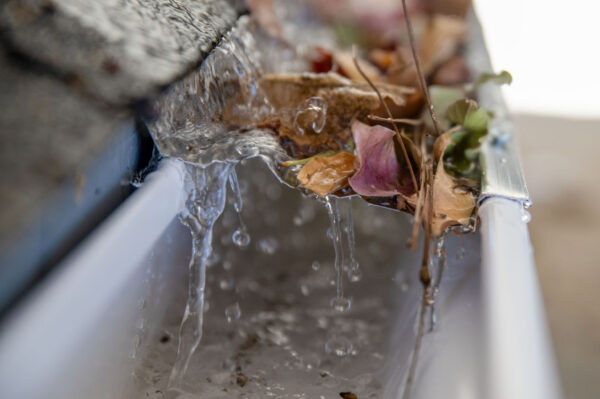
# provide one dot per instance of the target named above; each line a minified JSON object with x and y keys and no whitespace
{"x":412,"y":122}
{"x":422,"y":82}
{"x":387,"y":109}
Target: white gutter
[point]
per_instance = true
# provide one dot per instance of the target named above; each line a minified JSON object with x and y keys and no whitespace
{"x":38,"y":338}
{"x":518,"y":350}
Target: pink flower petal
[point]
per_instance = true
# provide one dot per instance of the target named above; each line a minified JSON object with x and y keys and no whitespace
{"x":379,"y":174}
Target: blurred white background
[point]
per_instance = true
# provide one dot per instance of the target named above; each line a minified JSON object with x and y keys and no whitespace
{"x":550,"y":48}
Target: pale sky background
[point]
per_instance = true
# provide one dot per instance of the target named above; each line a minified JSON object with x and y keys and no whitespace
{"x":551,"y":49}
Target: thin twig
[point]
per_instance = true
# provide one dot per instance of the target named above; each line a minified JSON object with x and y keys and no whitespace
{"x":425,"y":211}
{"x":412,"y":122}
{"x":427,"y":222}
{"x":416,"y":349}
{"x":420,"y":197}
{"x":413,"y":47}
{"x":424,"y":275}
{"x":387,"y":109}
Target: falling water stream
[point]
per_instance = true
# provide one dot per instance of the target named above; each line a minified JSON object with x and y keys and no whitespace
{"x":205,"y":203}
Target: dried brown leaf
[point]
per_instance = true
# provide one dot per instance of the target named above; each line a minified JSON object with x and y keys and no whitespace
{"x":345,"y":101}
{"x":326,"y":175}
{"x":344,"y":60}
{"x":452,"y":204}
{"x":439,"y":42}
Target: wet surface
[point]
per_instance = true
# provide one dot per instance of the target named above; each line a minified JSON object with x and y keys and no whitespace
{"x":269,"y":327}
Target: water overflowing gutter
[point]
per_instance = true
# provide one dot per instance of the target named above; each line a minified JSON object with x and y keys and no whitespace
{"x":40,"y":340}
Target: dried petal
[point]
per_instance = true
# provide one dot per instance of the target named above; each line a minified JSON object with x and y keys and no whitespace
{"x":380,"y":174}
{"x":326,"y":175}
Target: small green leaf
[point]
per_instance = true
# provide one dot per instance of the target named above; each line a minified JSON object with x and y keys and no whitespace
{"x":441,"y":98}
{"x":502,"y":78}
{"x":476,"y":120}
{"x":458,"y":111}
{"x":467,"y":113}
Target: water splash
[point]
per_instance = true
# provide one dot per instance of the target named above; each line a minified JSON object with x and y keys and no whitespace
{"x":233,"y":312}
{"x":199,"y":119}
{"x":311,"y":116}
{"x":205,"y":203}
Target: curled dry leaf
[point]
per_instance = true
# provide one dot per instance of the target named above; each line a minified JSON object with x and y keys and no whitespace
{"x":452,"y":204}
{"x":439,"y":42}
{"x":344,"y":98}
{"x":326,"y":175}
{"x":379,"y":172}
{"x":289,"y":89}
{"x":344,"y":60}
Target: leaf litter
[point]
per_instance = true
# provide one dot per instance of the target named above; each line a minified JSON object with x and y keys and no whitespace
{"x":395,"y":123}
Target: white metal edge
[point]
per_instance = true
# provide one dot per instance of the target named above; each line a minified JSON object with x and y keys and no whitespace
{"x":519,"y":355}
{"x":36,"y":336}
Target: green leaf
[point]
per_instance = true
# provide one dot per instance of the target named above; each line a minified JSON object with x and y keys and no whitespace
{"x":457,"y":112}
{"x":467,"y":113}
{"x":476,"y":120}
{"x":502,"y":78}
{"x":441,"y":98}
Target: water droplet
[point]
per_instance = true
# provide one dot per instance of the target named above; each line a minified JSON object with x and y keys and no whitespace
{"x":233,"y":312}
{"x":307,"y":212}
{"x":329,"y":233}
{"x":338,"y":346}
{"x":354,"y":274}
{"x":227,"y":265}
{"x":460,"y":254}
{"x":316,"y":265}
{"x":403,"y":286}
{"x":322,"y":322}
{"x":226,"y":283}
{"x":268,"y":245}
{"x":241,"y":238}
{"x":298,"y":221}
{"x":503,"y":160}
{"x":525,"y":216}
{"x":304,"y":289}
{"x":341,"y":304}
